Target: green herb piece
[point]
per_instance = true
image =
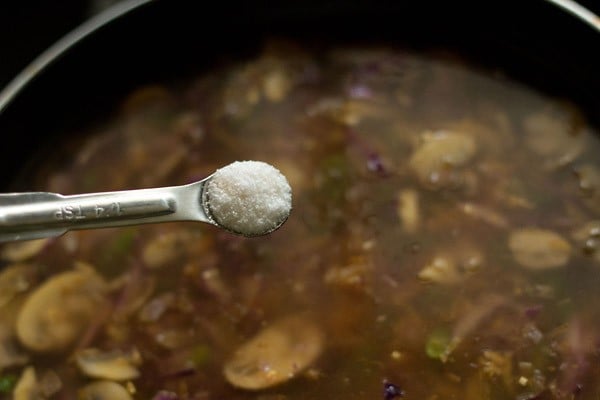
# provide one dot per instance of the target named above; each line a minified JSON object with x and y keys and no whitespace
{"x":7,"y":383}
{"x":200,"y":355}
{"x":437,"y":344}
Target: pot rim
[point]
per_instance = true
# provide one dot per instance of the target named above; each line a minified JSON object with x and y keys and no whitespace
{"x":579,"y":11}
{"x":62,"y":45}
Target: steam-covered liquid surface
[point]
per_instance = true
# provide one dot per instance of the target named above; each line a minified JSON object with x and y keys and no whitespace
{"x":445,"y":238}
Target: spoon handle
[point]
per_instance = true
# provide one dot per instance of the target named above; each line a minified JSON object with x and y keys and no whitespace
{"x":36,"y":215}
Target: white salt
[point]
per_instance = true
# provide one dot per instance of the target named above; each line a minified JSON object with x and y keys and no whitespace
{"x":249,"y":197}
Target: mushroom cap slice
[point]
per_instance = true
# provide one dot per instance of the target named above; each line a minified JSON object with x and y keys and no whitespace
{"x":57,"y":312}
{"x":439,"y":157}
{"x":113,"y":365}
{"x":103,"y":390}
{"x":14,"y":280}
{"x":26,"y":387}
{"x":276,"y":354}
{"x":539,"y":249}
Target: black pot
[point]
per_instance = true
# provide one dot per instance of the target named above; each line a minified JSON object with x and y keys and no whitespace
{"x":161,"y":41}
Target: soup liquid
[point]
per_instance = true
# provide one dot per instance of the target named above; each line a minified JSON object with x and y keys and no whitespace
{"x":444,"y":238}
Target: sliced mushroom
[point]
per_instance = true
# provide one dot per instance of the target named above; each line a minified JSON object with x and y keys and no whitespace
{"x":275,"y":355}
{"x":439,"y":157}
{"x":14,"y":280}
{"x":21,"y":251}
{"x":103,"y":390}
{"x":588,"y":237}
{"x":589,"y":183}
{"x":408,"y":210}
{"x":156,"y":307}
{"x":113,"y":365}
{"x":276,"y":85}
{"x":483,"y":213}
{"x":11,"y":353}
{"x":589,"y":178}
{"x":348,"y":112}
{"x":452,"y":265}
{"x":27,"y":386}
{"x":555,"y":137}
{"x":138,"y":290}
{"x":539,"y":249}
{"x":54,"y":316}
{"x":168,"y":247}
{"x":49,"y":383}
{"x":441,"y":270}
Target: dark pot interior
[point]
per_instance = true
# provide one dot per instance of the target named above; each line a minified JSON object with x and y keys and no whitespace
{"x":534,"y":42}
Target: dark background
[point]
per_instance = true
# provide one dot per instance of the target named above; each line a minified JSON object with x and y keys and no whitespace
{"x":30,"y":26}
{"x":27,"y":27}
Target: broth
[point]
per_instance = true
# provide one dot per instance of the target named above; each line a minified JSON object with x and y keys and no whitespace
{"x":444,"y":242}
